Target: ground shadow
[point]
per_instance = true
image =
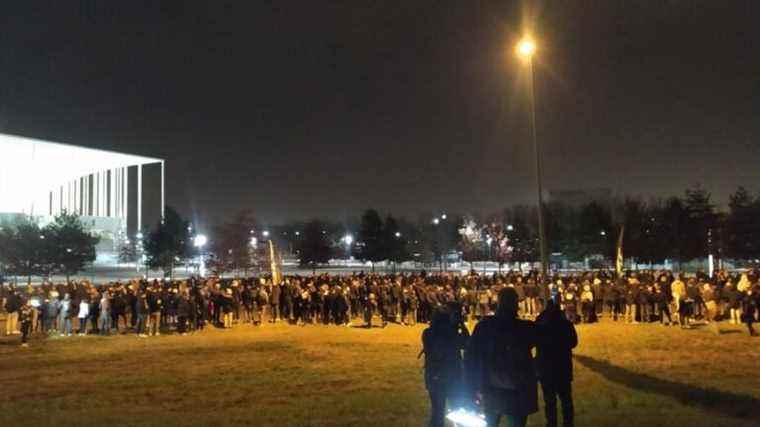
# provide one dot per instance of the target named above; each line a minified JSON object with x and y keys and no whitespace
{"x":712,"y":400}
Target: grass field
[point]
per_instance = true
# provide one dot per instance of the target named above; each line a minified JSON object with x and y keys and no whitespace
{"x":626,"y":375}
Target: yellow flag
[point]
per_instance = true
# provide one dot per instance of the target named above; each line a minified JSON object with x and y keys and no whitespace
{"x":619,"y":262}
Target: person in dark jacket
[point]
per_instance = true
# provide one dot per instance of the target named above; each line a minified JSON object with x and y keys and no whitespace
{"x":13,"y":304}
{"x":25,"y":320}
{"x":557,"y":338}
{"x":184,"y":308}
{"x":750,"y":305}
{"x":143,"y":312}
{"x":499,"y":364}
{"x":275,"y":303}
{"x":442,"y":345}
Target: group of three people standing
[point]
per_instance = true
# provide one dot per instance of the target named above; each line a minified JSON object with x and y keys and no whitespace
{"x":498,"y":371}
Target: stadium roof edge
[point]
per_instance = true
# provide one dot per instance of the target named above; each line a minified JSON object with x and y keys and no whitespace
{"x":145,"y":159}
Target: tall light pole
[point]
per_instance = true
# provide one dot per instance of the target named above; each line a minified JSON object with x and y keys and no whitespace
{"x":525,"y":50}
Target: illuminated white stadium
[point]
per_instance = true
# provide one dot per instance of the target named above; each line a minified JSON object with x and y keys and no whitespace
{"x":41,"y":179}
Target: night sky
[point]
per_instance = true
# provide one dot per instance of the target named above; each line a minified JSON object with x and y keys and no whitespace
{"x":324,"y":108}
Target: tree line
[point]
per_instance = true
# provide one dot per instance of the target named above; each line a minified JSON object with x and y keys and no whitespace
{"x":679,"y":229}
{"x":63,"y":246}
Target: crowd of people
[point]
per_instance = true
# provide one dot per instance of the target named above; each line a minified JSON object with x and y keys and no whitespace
{"x":150,"y":307}
{"x":445,"y":301}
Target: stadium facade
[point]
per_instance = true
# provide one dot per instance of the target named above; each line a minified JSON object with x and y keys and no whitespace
{"x":117,"y":195}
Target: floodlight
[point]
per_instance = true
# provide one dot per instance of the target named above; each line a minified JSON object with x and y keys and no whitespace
{"x":200,"y":240}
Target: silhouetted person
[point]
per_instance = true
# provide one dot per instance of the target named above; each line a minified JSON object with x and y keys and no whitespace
{"x":751,"y":304}
{"x":554,"y":363}
{"x":442,"y":345}
{"x":499,"y":364}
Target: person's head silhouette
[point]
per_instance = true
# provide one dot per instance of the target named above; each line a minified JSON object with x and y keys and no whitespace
{"x":507,"y":302}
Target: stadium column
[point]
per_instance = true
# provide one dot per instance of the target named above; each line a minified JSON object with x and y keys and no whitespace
{"x":163,"y":186}
{"x":124,"y":188}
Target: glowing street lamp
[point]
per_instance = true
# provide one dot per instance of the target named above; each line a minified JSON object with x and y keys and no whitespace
{"x":526,"y":48}
{"x":398,"y":234}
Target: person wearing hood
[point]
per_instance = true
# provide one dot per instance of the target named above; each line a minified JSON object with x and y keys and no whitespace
{"x":554,"y":362}
{"x":499,"y":364}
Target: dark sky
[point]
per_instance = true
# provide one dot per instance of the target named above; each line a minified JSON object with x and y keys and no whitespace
{"x":304,"y":108}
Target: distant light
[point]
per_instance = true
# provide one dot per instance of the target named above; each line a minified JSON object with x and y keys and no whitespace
{"x":298,"y":233}
{"x":252,"y":231}
{"x":510,"y":228}
{"x":489,"y":240}
{"x":199,"y":241}
{"x":254,"y":241}
{"x":127,"y":242}
{"x":443,"y":216}
{"x":348,"y":239}
{"x":42,"y":236}
{"x":436,"y":221}
{"x":68,"y":250}
{"x":139,"y":235}
{"x":265,"y":233}
{"x":398,"y":234}
{"x":603,"y":233}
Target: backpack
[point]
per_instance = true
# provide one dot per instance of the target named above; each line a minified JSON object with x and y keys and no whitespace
{"x":502,"y":360}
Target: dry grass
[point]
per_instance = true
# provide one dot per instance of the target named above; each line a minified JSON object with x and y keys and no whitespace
{"x":626,"y":375}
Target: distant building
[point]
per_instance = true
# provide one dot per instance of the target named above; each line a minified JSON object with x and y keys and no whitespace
{"x":116,"y":194}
